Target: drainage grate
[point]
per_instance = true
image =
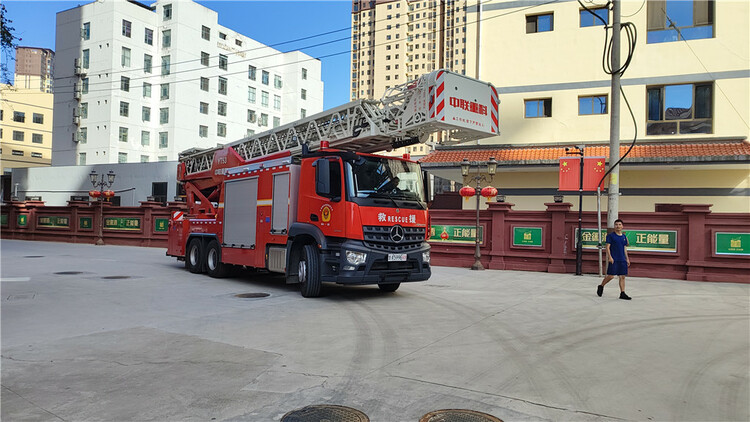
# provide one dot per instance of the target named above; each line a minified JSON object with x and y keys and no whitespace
{"x":34,"y":256}
{"x":325,"y":412}
{"x":458,"y":415}
{"x":69,"y":272}
{"x":115,"y":277}
{"x":251,"y":295}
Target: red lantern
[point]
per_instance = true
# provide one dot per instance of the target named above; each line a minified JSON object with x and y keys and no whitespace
{"x":109,"y":193}
{"x":489,"y":192}
{"x":467,"y":191}
{"x":94,"y":193}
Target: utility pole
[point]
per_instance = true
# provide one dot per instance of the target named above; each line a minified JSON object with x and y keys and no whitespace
{"x":614,"y":122}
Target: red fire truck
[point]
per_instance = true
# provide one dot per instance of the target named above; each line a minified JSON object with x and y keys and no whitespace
{"x":312,"y":200}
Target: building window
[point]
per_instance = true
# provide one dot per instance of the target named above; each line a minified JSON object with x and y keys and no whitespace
{"x":222,"y":36}
{"x":203,"y":108}
{"x":304,"y":74}
{"x":251,"y":72}
{"x":18,"y":135}
{"x":167,"y":12}
{"x":276,"y":122}
{"x":264,"y":98}
{"x":145,"y":138}
{"x":588,"y":19}
{"x":538,"y":108}
{"x":164,"y":115}
{"x":592,"y":105}
{"x":124,"y":109}
{"x":37,"y":118}
{"x":238,"y":43}
{"x":124,"y":83}
{"x":85,"y":56}
{"x":147,"y":63}
{"x":222,"y":85}
{"x":204,"y":58}
{"x":126,"y":28}
{"x":123,"y":134}
{"x":84,"y":85}
{"x":148,"y":38}
{"x":81,"y":158}
{"x":164,"y":92}
{"x":676,"y":20}
{"x":146,"y":90}
{"x":277,"y":102}
{"x":83,"y":110}
{"x":222,"y":108}
{"x":303,"y":94}
{"x":122,"y":157}
{"x":36,"y":138}
{"x":125,"y":58}
{"x":206,"y":33}
{"x":144,"y":158}
{"x":539,"y":23}
{"x":204,"y":84}
{"x":251,"y":117}
{"x":19,"y":116}
{"x":161,"y":158}
{"x":17,"y":152}
{"x":251,"y":95}
{"x":223,"y":62}
{"x":302,"y":113}
{"x":86,"y":31}
{"x":163,"y":139}
{"x":166,"y":38}
{"x":249,"y":133}
{"x":264,"y":78}
{"x":263,"y":119}
{"x":683,"y":109}
{"x":277,"y":81}
{"x":203,"y":131}
{"x":83,"y":135}
{"x":221,"y":129}
{"x":36,"y":155}
{"x":165,"y":62}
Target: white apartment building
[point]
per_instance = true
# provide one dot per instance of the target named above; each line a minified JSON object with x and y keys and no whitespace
{"x":138,"y":83}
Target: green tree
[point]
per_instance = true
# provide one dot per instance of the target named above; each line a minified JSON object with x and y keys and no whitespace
{"x":7,"y":43}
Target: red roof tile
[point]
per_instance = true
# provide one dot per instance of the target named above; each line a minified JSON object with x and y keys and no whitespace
{"x":552,"y":153}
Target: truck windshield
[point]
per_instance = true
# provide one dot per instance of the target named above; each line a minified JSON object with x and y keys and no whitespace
{"x":380,"y":177}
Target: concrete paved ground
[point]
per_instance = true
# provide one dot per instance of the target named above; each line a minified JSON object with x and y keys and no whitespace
{"x":165,"y":344}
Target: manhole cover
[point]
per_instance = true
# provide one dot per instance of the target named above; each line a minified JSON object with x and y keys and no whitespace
{"x":115,"y":277}
{"x":34,"y":256}
{"x":251,"y":295}
{"x":69,"y":272}
{"x":458,"y":415}
{"x":325,"y":412}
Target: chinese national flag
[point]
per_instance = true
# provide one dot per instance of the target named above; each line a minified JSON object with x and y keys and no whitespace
{"x":570,"y":171}
{"x":593,"y":170}
{"x":570,"y":167}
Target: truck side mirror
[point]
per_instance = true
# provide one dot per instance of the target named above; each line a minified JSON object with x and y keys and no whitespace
{"x":323,"y":177}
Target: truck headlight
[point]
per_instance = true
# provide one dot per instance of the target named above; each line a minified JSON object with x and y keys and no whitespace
{"x":426,"y":257}
{"x":356,"y":258}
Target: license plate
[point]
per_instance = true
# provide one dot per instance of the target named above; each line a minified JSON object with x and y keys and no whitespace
{"x":396,"y":257}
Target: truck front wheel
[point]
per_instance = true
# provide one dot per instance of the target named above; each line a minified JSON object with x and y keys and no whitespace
{"x":194,"y":256}
{"x":214,"y":267}
{"x":390,"y":287}
{"x":309,"y":271}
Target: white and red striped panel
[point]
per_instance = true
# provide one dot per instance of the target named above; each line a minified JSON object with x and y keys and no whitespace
{"x":437,"y":98}
{"x":493,"y":110}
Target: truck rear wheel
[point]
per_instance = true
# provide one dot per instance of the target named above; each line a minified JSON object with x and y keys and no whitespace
{"x":309,"y":271}
{"x":214,"y":267}
{"x":390,"y":287}
{"x":194,"y":256}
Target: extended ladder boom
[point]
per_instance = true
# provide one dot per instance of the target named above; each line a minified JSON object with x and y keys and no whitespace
{"x":407,"y":114}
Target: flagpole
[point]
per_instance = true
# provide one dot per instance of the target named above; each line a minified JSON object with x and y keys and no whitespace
{"x":579,"y":248}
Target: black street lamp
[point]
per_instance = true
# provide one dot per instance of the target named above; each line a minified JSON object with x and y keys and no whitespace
{"x":491,"y":169}
{"x":103,"y":192}
{"x":579,"y":247}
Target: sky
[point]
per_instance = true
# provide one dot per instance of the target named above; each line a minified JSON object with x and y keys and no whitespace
{"x":270,"y":22}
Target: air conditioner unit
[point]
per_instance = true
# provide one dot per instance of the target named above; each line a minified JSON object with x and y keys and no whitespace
{"x":76,"y":112}
{"x":77,"y":66}
{"x":77,"y":95}
{"x":76,"y":120}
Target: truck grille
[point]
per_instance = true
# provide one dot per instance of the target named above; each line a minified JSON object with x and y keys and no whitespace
{"x":379,"y":237}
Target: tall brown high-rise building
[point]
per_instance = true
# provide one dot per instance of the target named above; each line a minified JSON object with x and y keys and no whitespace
{"x":34,"y":68}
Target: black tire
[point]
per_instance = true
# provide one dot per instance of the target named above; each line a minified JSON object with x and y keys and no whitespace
{"x":390,"y":287}
{"x":194,"y":256}
{"x":309,"y":271}
{"x":214,"y":267}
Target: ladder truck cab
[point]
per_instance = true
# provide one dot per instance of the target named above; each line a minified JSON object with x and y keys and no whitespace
{"x":311,"y":199}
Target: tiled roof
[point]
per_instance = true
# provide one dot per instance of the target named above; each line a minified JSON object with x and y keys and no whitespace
{"x":734,"y":150}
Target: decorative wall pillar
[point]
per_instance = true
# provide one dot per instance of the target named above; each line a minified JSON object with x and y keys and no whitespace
{"x":698,"y":239}
{"x":559,"y":246}
{"x":499,"y":236}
